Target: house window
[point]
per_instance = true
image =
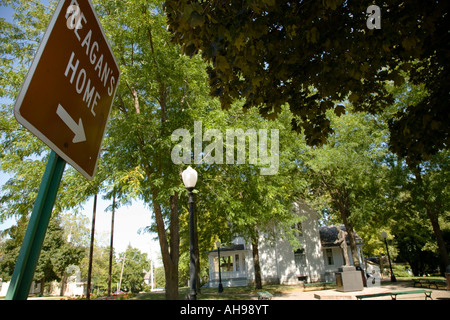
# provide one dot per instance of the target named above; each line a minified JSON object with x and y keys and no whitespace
{"x":329,"y":257}
{"x":298,"y":229}
{"x":300,"y":259}
{"x":226,"y":263}
{"x":229,"y":263}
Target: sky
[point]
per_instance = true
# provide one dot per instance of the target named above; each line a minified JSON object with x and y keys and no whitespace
{"x":127,"y":222}
{"x":128,"y":219}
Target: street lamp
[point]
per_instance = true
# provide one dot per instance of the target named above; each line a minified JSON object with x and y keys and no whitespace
{"x":190,"y":179}
{"x":384,"y":235}
{"x":220,"y":290}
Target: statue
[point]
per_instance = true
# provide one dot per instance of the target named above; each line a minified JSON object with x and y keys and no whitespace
{"x":348,"y":278}
{"x":343,"y":244}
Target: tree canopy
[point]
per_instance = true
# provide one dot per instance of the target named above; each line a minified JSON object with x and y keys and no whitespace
{"x":313,"y":54}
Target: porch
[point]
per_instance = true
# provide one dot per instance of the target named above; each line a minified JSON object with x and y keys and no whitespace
{"x":233,"y":268}
{"x":229,"y":279}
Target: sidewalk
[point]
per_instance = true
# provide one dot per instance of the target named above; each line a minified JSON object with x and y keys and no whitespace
{"x":332,"y":294}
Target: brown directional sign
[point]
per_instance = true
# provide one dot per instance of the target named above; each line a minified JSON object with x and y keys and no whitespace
{"x":67,"y":94}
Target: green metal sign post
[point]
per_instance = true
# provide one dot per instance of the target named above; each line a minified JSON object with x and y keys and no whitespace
{"x":22,"y":277}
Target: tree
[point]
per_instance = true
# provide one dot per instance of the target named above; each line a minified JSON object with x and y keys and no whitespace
{"x":156,"y":84}
{"x":9,"y":249}
{"x":430,"y":191}
{"x":76,"y":228}
{"x":56,"y":255}
{"x":402,"y":212}
{"x":347,"y":174}
{"x":134,"y":262}
{"x":415,"y":243}
{"x":236,"y":197}
{"x":160,"y":91}
{"x":100,"y":268}
{"x":311,"y":54}
{"x":425,"y":190}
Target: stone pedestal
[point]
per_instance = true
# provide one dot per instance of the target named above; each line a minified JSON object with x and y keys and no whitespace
{"x":349,"y":279}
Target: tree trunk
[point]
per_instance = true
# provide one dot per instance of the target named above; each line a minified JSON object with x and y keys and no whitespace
{"x":255,"y":252}
{"x":169,"y":252}
{"x":171,"y":274}
{"x":433,"y":216}
{"x":440,"y":240}
{"x":340,"y":198}
{"x":351,"y":237}
{"x":63,"y":284}
{"x":41,"y":289}
{"x":174,"y":241}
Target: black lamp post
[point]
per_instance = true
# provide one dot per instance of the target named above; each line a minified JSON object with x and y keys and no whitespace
{"x":220,"y":289}
{"x":384,"y":235}
{"x":190,"y":179}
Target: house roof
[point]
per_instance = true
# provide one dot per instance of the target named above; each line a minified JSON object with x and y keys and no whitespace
{"x":232,"y":247}
{"x":329,"y":234}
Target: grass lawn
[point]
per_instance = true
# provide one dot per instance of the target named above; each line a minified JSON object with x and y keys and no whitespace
{"x":235,"y":293}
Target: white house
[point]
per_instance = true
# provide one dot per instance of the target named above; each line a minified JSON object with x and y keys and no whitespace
{"x":317,"y":260}
{"x":73,"y":286}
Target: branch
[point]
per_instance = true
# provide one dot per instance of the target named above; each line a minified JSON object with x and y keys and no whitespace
{"x":135,"y":97}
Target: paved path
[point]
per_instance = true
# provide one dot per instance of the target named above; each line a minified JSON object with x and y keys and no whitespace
{"x":332,"y":294}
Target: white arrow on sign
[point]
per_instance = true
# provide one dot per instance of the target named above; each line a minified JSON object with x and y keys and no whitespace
{"x":76,"y":128}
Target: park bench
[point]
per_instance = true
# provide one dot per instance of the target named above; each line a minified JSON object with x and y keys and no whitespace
{"x":264,"y":295}
{"x":395,"y":294}
{"x":429,"y":282}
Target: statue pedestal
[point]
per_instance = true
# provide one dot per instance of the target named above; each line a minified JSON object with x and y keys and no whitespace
{"x":348,"y":279}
